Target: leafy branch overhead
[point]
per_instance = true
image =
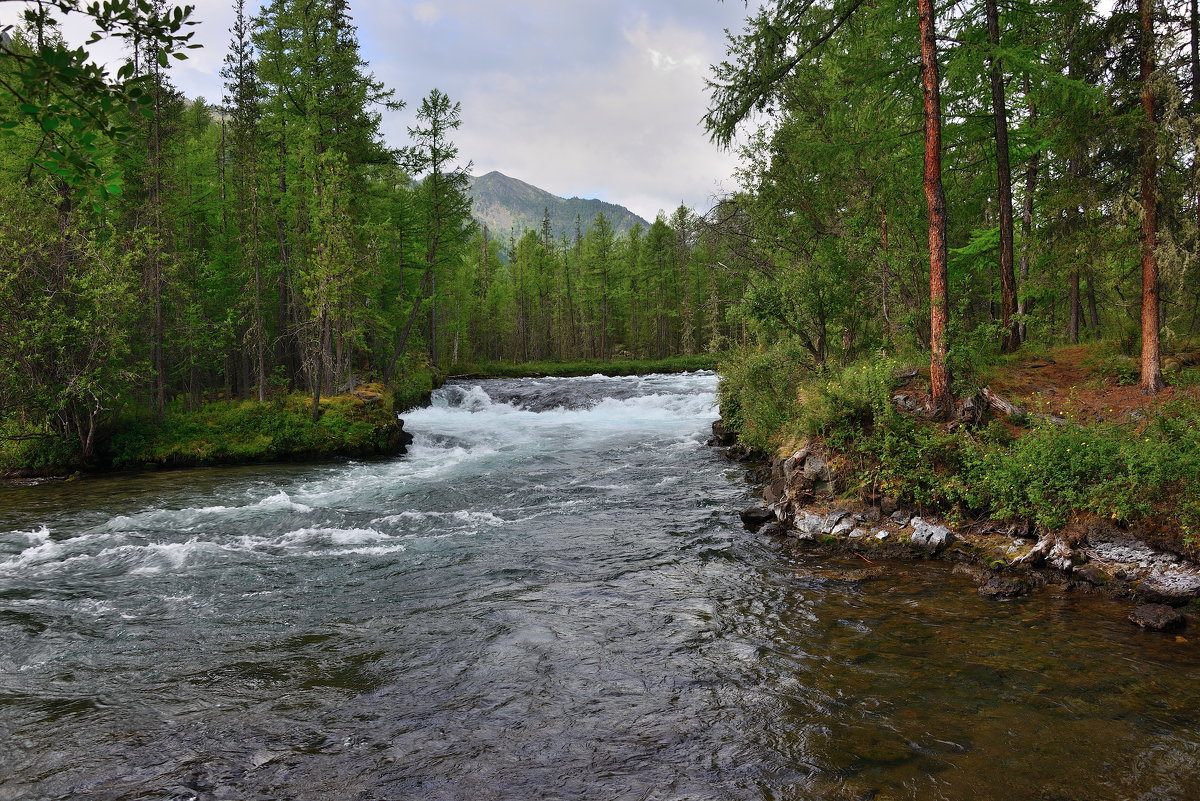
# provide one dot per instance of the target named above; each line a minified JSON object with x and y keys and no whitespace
{"x":72,"y":102}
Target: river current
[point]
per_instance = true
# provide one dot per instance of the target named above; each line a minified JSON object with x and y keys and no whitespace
{"x":549,"y":597}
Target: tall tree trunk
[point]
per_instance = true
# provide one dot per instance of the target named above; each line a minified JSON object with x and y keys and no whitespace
{"x":1075,"y":308}
{"x":1008,"y":280}
{"x":1031,"y":170}
{"x":1151,"y":369}
{"x":1093,"y":310}
{"x":935,"y":198}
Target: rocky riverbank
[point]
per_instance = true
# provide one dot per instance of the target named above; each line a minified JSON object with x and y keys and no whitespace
{"x":799,"y":501}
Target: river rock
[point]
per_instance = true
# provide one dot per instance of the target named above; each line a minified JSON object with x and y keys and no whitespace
{"x":1003,"y":589}
{"x":1092,"y":575}
{"x":809,"y":526}
{"x":930,"y":536}
{"x":1171,"y":587}
{"x":754,"y":517}
{"x":405,"y":439}
{"x":900,"y":517}
{"x":776,"y":528}
{"x":1157,"y":617}
{"x":843,"y":526}
{"x":721,"y":435}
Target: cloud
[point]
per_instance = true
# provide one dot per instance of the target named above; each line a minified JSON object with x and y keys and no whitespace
{"x":595,"y":98}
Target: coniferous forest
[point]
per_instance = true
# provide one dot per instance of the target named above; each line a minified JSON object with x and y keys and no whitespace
{"x":952,"y":181}
{"x":162,"y":252}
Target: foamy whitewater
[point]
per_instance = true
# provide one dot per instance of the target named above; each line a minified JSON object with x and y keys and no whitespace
{"x":549,"y":597}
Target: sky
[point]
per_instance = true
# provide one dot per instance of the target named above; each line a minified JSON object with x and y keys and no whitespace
{"x":588,"y":98}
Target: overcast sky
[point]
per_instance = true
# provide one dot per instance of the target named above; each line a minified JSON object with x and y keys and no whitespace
{"x":594,"y":98}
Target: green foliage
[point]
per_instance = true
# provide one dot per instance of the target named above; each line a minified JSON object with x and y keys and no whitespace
{"x":585,"y":367}
{"x":248,"y":431}
{"x":78,"y":106}
{"x":758,"y":392}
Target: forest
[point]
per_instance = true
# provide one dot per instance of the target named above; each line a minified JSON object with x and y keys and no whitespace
{"x":982,"y":190}
{"x":956,"y":181}
{"x":161,"y":253}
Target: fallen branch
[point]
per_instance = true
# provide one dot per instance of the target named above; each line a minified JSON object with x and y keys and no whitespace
{"x":1010,"y":409}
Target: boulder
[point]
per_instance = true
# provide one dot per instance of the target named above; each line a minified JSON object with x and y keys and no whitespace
{"x":833,"y":519}
{"x":1173,"y":587}
{"x":776,"y":528}
{"x":930,"y":536}
{"x":721,"y":435}
{"x":809,"y":526}
{"x":1003,"y":589}
{"x":843,"y":526}
{"x":1092,"y":575}
{"x":1157,"y":617}
{"x":404,"y":437}
{"x":754,"y":517}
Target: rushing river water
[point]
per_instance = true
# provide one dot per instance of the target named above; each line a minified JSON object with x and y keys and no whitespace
{"x":550,"y":597}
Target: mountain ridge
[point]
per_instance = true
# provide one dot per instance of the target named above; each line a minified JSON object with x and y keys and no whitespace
{"x":505,"y":204}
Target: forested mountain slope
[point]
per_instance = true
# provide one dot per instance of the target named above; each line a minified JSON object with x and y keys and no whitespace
{"x":506,"y":204}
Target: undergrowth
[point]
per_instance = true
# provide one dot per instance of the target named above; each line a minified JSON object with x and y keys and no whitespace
{"x":1145,"y":470}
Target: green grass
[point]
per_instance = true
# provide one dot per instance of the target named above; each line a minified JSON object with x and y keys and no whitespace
{"x":674,"y":364}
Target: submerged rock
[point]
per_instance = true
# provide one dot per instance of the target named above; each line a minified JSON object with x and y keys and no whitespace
{"x":754,"y":517}
{"x":1157,"y":617}
{"x":1003,"y":589}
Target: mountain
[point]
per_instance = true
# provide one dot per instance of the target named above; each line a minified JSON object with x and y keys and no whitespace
{"x":504,"y":204}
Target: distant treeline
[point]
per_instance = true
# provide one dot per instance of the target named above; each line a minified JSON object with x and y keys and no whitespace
{"x":159,"y":252}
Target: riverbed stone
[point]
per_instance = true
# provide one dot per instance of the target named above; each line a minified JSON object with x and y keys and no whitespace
{"x":809,"y":526}
{"x":930,"y":536}
{"x":754,"y":517}
{"x":775,"y":528}
{"x":1092,"y":575}
{"x":1003,"y":589}
{"x":1175,"y":588}
{"x":843,"y":527}
{"x":1157,"y":617}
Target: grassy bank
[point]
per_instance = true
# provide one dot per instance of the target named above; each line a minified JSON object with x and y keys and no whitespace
{"x":674,"y":364}
{"x":358,"y":424}
{"x":1087,"y":446}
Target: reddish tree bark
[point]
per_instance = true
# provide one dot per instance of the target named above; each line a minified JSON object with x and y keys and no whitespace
{"x":1151,"y":378}
{"x":1008,"y":279}
{"x":935,"y":197}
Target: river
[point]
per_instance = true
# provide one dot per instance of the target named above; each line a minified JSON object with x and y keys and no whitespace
{"x":549,"y":597}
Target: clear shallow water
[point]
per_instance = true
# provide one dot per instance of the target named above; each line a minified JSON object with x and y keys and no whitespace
{"x":549,"y":597}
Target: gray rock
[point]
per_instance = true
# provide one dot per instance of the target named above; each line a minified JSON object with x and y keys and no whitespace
{"x":1175,"y":588}
{"x":754,"y":517}
{"x":844,"y":526}
{"x":930,"y":536}
{"x":1092,"y":575}
{"x":1157,"y":617}
{"x":817,"y":469}
{"x":808,"y":526}
{"x":1003,"y":589}
{"x":857,"y":534}
{"x":832,"y":520}
{"x":900,"y":517}
{"x":881,"y":535}
{"x":776,"y":529}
